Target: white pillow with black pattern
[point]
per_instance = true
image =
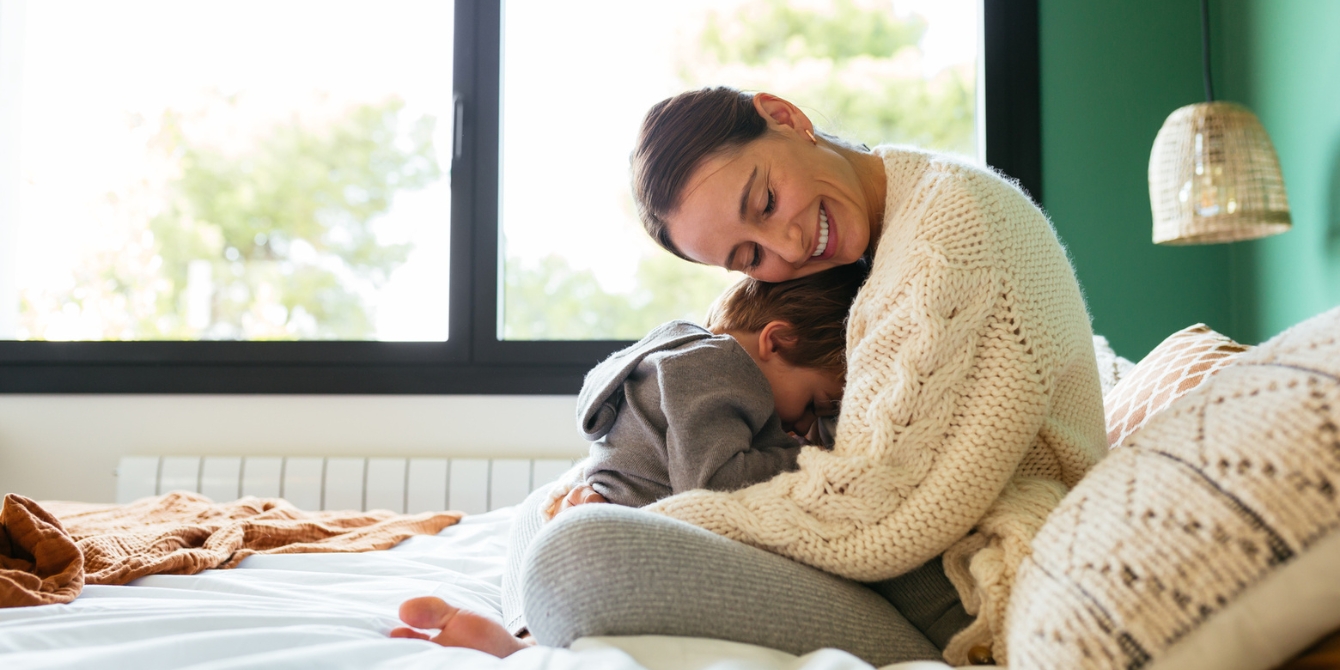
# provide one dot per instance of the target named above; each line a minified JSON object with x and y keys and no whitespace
{"x":1211,"y":538}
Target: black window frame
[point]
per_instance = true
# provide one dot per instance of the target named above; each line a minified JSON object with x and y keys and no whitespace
{"x":473,"y":360}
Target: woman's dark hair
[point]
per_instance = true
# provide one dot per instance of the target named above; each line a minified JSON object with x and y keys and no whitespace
{"x":677,"y":134}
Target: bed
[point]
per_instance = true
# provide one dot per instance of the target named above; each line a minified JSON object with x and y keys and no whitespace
{"x":334,"y":611}
{"x":1271,"y":410}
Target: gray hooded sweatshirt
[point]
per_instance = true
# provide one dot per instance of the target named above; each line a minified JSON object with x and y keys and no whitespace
{"x":682,"y":409}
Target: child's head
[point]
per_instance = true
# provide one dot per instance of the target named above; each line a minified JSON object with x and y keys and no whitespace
{"x":797,"y":333}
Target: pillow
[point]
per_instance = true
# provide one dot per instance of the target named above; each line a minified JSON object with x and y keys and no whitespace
{"x":1179,"y":549}
{"x":1179,"y":364}
{"x":1111,"y":367}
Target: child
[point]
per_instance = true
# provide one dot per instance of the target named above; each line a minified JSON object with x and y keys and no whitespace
{"x":687,"y":408}
{"x":719,"y":407}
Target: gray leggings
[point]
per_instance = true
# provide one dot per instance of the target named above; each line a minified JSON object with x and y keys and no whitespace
{"x":612,"y":570}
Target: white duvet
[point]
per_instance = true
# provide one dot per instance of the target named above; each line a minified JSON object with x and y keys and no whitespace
{"x":334,"y":611}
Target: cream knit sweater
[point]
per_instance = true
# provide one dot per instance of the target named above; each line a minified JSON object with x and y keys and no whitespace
{"x":972,"y":401}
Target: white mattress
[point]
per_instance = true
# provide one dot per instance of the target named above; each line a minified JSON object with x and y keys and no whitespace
{"x":334,"y":611}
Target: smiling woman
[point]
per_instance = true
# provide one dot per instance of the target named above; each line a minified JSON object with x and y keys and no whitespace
{"x":972,"y":399}
{"x":803,"y":207}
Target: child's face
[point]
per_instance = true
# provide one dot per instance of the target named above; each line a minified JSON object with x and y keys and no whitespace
{"x":801,"y":394}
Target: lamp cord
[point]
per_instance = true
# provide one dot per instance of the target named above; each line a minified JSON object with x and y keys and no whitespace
{"x":1205,"y":48}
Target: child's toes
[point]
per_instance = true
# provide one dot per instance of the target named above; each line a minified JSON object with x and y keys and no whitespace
{"x":427,"y":612}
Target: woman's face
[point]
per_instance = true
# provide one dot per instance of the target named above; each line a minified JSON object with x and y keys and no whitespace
{"x":779,"y":208}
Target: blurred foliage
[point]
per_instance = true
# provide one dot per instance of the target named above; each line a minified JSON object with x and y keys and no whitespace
{"x":264,"y":237}
{"x":761,"y":32}
{"x":858,"y":64}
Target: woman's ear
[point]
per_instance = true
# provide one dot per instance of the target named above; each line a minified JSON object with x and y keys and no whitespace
{"x":773,"y":338}
{"x":779,"y":112}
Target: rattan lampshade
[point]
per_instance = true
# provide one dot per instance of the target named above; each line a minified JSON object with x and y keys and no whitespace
{"x":1214,"y":177}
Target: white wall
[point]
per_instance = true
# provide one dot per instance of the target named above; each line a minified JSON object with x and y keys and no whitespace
{"x":66,"y":447}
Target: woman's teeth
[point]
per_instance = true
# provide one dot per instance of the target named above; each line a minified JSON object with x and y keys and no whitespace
{"x":823,"y":233}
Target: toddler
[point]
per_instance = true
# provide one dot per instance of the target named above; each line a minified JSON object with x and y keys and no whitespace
{"x":688,"y":407}
{"x":719,"y":407}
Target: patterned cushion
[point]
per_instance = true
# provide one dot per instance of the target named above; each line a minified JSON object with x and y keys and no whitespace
{"x":1179,"y":364}
{"x":1219,"y":495}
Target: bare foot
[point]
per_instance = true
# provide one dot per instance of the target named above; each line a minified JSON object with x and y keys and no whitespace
{"x":459,"y":628}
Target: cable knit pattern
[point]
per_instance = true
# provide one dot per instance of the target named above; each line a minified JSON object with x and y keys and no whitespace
{"x":972,"y":401}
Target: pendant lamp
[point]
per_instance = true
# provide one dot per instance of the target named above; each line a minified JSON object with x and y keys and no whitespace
{"x":1213,"y":173}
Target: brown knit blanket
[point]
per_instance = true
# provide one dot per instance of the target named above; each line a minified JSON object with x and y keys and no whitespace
{"x":49,"y":551}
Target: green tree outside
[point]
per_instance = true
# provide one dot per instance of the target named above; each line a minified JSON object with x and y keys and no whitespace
{"x":856,"y":66}
{"x":267,"y":241}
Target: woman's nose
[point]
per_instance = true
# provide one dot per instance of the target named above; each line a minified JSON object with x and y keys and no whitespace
{"x":788,"y":242}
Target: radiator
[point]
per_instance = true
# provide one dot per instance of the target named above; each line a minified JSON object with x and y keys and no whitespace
{"x":405,"y":485}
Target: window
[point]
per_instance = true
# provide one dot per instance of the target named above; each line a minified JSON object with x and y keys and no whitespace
{"x":411,"y":196}
{"x":280,"y":177}
{"x":576,"y":262}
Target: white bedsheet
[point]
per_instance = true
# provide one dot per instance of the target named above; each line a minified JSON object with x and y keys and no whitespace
{"x":334,"y":611}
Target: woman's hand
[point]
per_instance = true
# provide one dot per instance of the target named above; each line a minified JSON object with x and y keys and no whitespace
{"x":578,"y":495}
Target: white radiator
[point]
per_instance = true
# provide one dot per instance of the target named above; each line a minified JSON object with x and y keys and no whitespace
{"x":405,"y":485}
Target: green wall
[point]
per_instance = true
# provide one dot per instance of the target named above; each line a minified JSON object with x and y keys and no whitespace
{"x":1282,"y":59}
{"x":1112,"y":71}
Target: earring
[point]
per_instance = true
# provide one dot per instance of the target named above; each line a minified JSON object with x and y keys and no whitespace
{"x":813,"y":141}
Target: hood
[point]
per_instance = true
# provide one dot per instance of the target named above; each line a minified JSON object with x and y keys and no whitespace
{"x":602,"y":392}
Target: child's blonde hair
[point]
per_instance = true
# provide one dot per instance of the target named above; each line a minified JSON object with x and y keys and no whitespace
{"x":815,"y":307}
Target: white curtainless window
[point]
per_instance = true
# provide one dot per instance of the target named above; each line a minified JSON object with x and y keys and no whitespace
{"x":225,"y":169}
{"x":413,"y":196}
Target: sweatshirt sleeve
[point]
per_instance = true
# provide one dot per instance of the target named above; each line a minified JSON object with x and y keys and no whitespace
{"x":722,"y":431}
{"x":944,"y":398}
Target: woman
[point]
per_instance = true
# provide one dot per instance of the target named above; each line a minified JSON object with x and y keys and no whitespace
{"x":972,"y":403}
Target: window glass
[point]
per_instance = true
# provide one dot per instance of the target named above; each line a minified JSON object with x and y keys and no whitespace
{"x":225,"y":169}
{"x":578,"y":76}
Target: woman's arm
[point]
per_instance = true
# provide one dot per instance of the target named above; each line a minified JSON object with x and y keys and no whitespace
{"x":944,"y":398}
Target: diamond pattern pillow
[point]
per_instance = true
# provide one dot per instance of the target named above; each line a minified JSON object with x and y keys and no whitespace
{"x":1179,"y":364}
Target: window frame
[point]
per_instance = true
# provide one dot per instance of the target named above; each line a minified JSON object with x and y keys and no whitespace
{"x":473,"y":360}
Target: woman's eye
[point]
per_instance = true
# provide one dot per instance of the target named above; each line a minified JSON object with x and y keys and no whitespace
{"x":772,"y":202}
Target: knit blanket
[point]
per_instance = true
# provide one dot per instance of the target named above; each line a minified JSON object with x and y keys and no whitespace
{"x":972,"y":402}
{"x":49,"y":551}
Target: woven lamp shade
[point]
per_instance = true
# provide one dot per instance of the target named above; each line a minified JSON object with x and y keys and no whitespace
{"x":1214,"y":177}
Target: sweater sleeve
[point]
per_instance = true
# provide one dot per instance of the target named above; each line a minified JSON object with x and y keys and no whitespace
{"x":944,"y":398}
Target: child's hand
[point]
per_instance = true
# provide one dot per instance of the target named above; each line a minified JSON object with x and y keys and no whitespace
{"x":564,"y":496}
